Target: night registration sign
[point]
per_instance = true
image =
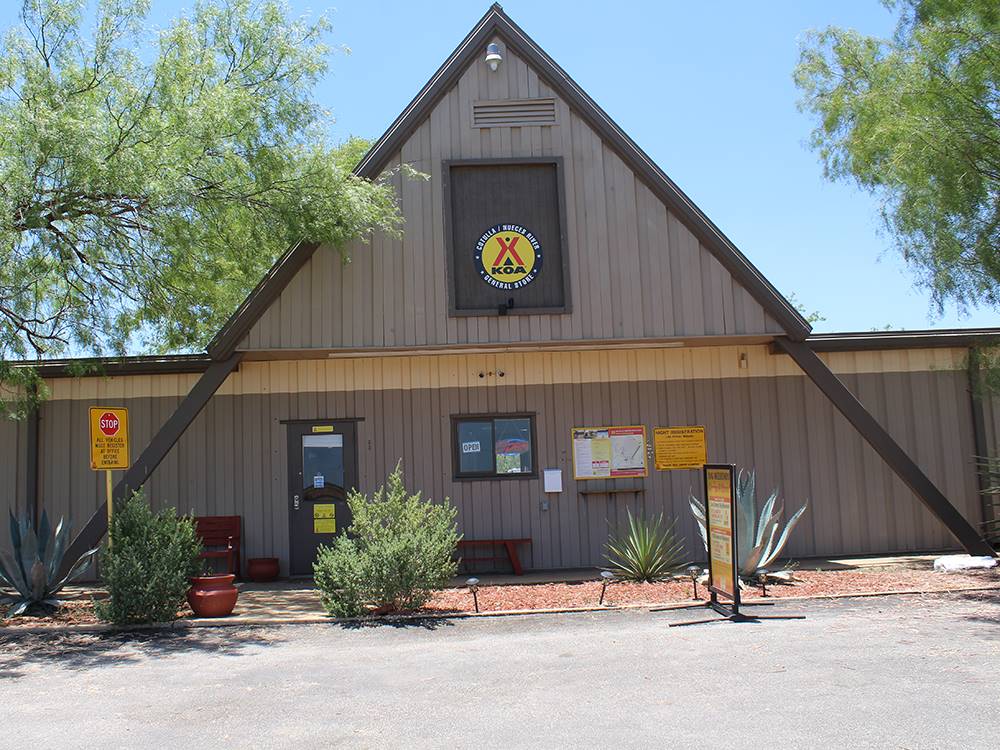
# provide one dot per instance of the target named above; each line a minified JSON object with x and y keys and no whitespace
{"x":679,"y":447}
{"x":108,"y":438}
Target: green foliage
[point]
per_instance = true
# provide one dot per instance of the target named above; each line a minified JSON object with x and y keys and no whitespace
{"x":649,"y":551}
{"x":32,"y":568}
{"x":149,"y":176}
{"x":760,"y":538}
{"x":397,"y":549}
{"x":811,"y":317}
{"x":915,"y":120}
{"x":147,"y":563}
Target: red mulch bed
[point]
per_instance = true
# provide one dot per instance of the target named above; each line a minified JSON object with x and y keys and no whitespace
{"x":811,"y":583}
{"x":80,"y":611}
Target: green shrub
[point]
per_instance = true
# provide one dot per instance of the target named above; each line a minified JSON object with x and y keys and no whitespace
{"x":146,"y":566}
{"x":396,"y":550}
{"x":648,"y":552}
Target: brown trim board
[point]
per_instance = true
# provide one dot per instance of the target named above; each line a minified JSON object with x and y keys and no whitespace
{"x":164,"y":439}
{"x":266,"y":292}
{"x":890,"y":451}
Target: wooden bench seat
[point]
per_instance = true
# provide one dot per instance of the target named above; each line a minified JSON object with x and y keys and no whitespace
{"x":510,"y":552}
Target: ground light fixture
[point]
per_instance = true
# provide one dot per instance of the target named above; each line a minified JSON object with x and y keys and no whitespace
{"x":762,"y":580}
{"x":606,"y":577}
{"x":493,"y":57}
{"x":473,"y":584}
{"x":694,"y":571}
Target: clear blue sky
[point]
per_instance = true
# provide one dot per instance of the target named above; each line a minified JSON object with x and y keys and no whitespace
{"x":706,"y":90}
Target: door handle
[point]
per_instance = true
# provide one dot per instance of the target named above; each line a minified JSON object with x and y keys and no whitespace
{"x":295,"y":502}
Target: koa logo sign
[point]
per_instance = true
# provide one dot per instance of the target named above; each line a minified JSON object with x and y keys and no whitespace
{"x":109,"y":424}
{"x":508,"y":256}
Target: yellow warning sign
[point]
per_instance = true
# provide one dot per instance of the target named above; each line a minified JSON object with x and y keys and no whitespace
{"x":324,"y":518}
{"x":108,"y":438}
{"x":679,"y":448}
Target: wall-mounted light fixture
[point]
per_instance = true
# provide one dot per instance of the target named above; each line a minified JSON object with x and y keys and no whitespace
{"x":744,"y":364}
{"x":493,"y":57}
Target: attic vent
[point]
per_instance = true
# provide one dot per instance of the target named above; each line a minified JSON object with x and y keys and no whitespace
{"x":510,"y":113}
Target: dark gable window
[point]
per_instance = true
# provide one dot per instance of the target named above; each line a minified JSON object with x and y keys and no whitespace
{"x":500,"y":446}
{"x":506,"y":236}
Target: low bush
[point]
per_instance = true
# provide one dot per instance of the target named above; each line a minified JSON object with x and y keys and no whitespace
{"x":397,"y":549}
{"x":146,"y":563}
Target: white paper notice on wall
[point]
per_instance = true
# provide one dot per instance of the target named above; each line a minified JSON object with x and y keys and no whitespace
{"x":552,"y":480}
{"x":471,"y":447}
{"x":319,"y":481}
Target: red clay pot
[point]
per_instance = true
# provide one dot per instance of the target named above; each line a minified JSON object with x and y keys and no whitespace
{"x":262,"y":569}
{"x":213,"y":596}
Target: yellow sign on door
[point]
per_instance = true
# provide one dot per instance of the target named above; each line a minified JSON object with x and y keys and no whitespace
{"x":108,"y":438}
{"x":324,"y":518}
{"x":679,"y":448}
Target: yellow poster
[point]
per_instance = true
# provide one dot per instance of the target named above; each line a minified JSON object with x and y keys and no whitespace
{"x":679,"y":448}
{"x":324,"y":518}
{"x":719,"y":511}
{"x":108,"y":438}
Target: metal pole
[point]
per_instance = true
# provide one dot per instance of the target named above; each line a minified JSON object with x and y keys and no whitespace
{"x":110,"y":489}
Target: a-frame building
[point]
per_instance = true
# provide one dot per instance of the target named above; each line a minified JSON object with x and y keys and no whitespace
{"x":554,"y":296}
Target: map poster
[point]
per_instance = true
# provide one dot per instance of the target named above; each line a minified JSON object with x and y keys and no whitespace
{"x":609,"y":452}
{"x":719,"y":502}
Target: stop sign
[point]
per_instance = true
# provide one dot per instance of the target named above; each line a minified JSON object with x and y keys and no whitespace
{"x":109,"y":424}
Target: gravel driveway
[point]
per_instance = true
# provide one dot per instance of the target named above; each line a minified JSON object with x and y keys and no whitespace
{"x":903,"y":672}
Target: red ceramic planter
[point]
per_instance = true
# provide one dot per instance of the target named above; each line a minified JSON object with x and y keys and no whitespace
{"x":213,"y":596}
{"x":262,"y":569}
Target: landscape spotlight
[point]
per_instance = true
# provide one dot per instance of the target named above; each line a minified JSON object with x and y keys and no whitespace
{"x":473,"y":584}
{"x":762,"y":578}
{"x":694,"y":571}
{"x":607,"y":575}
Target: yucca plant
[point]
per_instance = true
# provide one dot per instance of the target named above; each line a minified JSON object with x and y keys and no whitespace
{"x":32,"y":568}
{"x":648,"y":552}
{"x":760,"y":539}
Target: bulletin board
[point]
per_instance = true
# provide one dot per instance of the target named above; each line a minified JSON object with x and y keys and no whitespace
{"x":609,"y":452}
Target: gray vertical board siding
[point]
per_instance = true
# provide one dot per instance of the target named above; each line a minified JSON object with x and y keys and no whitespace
{"x":233,"y":457}
{"x":635,"y":270}
{"x":13,"y":477}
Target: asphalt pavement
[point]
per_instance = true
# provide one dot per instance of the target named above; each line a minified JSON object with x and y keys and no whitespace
{"x":901,"y":672}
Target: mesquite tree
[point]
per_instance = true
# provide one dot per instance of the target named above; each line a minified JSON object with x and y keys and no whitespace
{"x":148,"y":178}
{"x":915,"y":119}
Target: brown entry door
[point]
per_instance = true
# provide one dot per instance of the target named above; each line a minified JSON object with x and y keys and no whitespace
{"x":322,"y":469}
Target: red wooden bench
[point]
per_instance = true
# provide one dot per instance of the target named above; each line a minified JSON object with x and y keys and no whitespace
{"x":510,"y":549}
{"x":220,"y":531}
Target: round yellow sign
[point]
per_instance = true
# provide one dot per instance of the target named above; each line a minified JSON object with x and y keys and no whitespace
{"x":508,"y":256}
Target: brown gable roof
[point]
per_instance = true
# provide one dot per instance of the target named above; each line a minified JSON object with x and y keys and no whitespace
{"x":496,"y":23}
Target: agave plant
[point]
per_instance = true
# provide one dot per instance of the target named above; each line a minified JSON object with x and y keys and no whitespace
{"x":648,"y":552}
{"x":33,"y":568}
{"x":760,"y":539}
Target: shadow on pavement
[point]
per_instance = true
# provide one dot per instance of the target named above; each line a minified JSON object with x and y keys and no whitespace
{"x":416,"y":623}
{"x":82,"y":651}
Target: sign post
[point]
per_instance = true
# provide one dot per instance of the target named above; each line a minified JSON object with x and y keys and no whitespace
{"x":721,"y":533}
{"x":108,"y":447}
